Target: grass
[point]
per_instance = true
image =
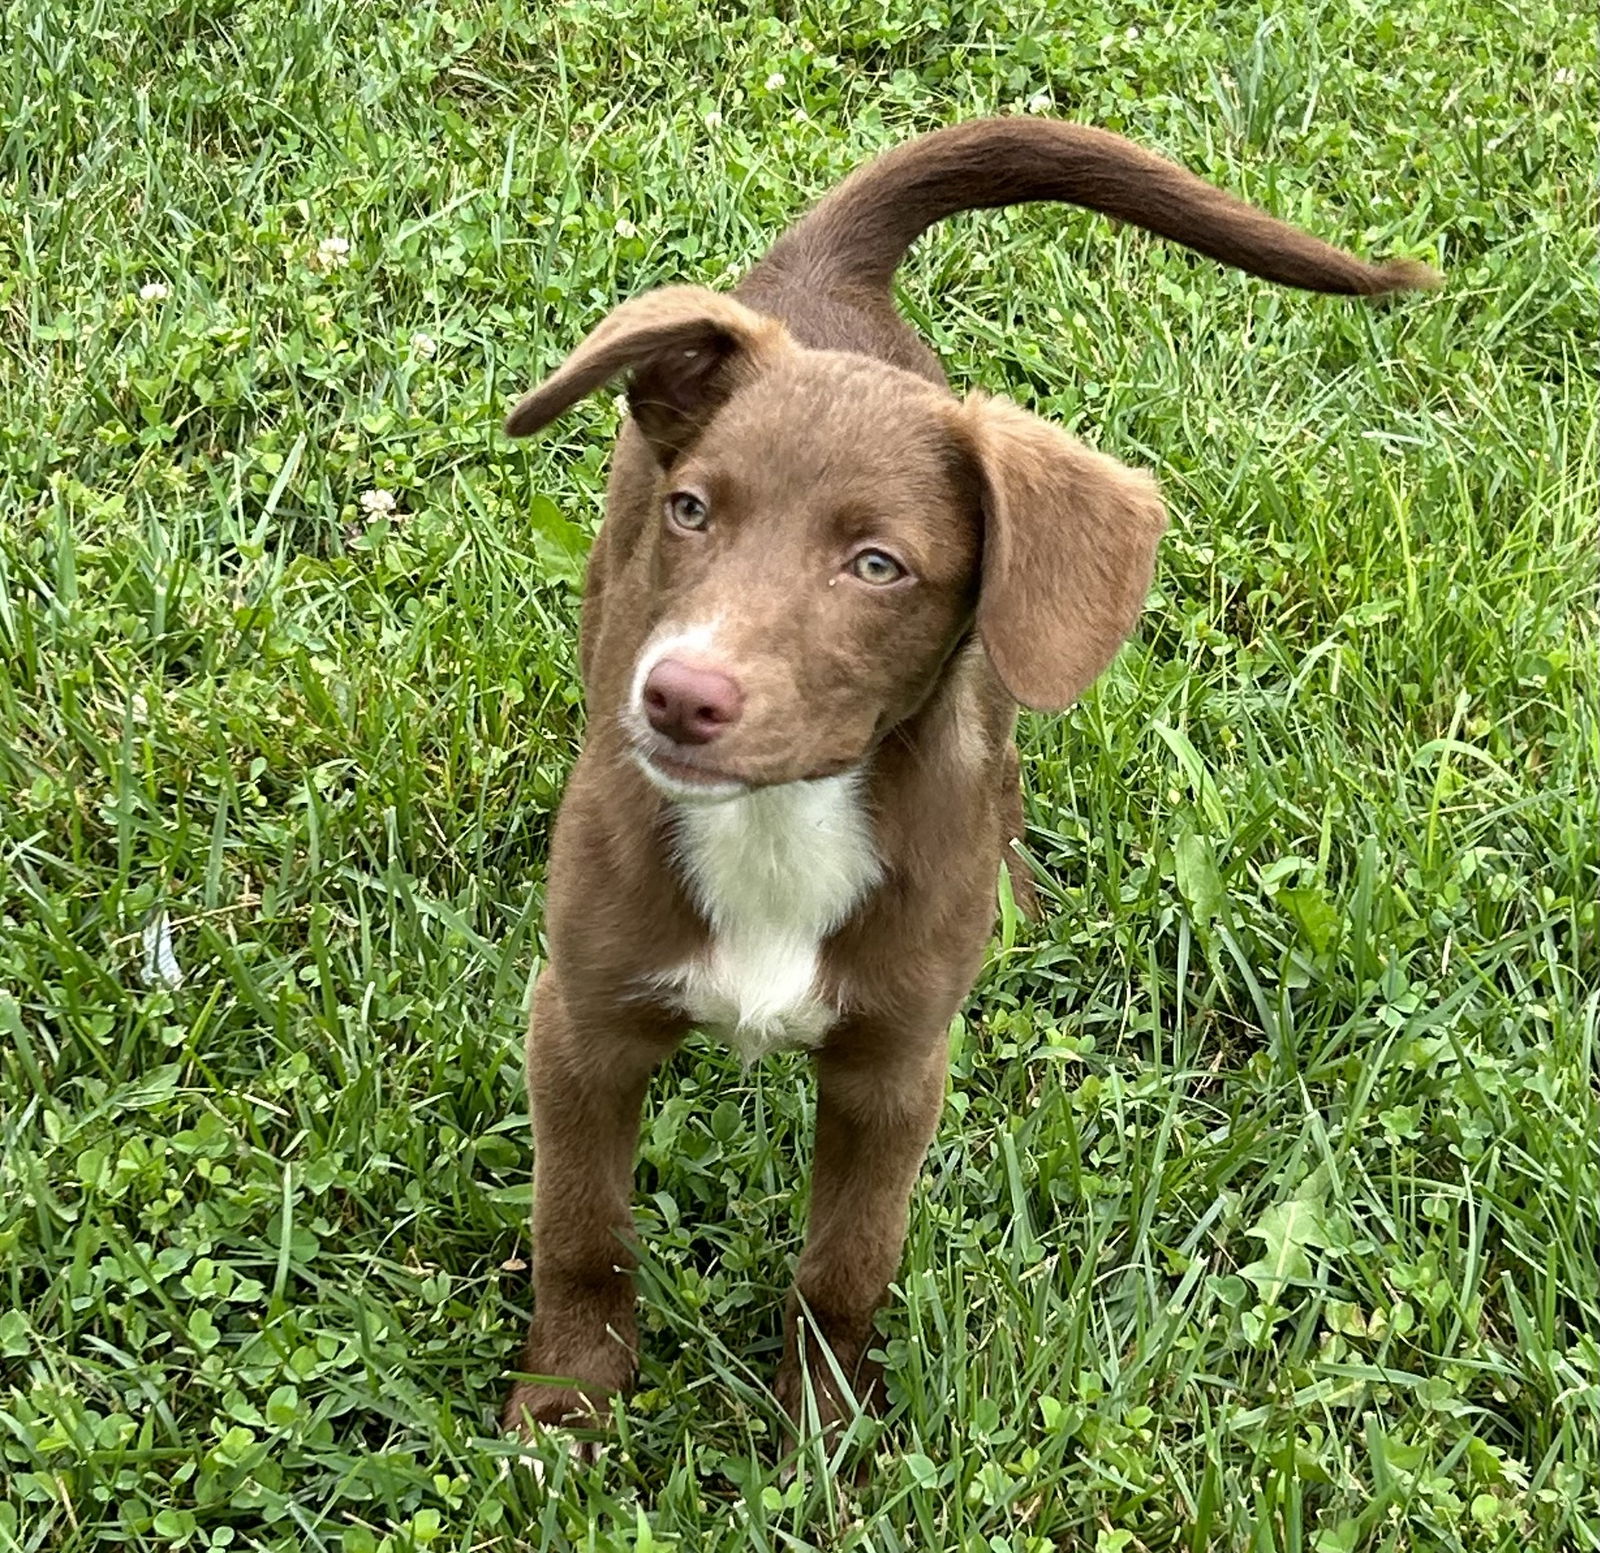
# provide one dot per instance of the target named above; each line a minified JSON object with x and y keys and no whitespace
{"x":1265,"y":1211}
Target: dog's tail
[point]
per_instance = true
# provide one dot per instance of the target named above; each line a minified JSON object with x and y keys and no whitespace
{"x":860,"y":233}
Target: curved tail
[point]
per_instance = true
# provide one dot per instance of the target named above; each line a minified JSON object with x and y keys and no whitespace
{"x":860,"y":233}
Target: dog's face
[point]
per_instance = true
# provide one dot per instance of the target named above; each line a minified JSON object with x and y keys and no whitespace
{"x":827,"y":529}
{"x":813,"y":561}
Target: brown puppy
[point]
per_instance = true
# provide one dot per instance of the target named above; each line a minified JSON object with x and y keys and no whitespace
{"x":822,"y":585}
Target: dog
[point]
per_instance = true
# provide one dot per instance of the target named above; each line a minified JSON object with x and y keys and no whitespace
{"x":822,"y":586}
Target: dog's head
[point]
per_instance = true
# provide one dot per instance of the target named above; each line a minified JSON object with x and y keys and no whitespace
{"x":827,"y":529}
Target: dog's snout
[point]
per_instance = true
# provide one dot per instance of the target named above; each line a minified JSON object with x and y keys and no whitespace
{"x":690,"y":705}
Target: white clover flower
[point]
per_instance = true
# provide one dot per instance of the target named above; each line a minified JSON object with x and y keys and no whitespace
{"x":424,"y":345}
{"x":1132,"y":35}
{"x":713,"y":120}
{"x":331,"y":253}
{"x":378,"y":503}
{"x":154,"y":291}
{"x":1565,"y":76}
{"x":800,"y":116}
{"x":775,"y":81}
{"x":625,"y":228}
{"x":1038,"y":103}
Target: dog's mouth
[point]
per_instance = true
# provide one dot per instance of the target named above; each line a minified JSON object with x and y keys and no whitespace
{"x":691,"y":780}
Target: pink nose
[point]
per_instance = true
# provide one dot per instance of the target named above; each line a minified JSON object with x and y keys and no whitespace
{"x":690,"y":705}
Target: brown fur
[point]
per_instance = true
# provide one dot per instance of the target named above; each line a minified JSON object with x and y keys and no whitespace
{"x":810,"y":421}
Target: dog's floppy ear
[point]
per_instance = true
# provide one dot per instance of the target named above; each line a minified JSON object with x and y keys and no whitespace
{"x":1068,"y":548}
{"x":685,"y":347}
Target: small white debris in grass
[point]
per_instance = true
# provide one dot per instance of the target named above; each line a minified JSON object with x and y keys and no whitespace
{"x":332,"y":252}
{"x":424,"y":345}
{"x":378,"y":503}
{"x":1565,"y":76}
{"x":161,"y":968}
{"x":528,"y":1463}
{"x":154,"y":291}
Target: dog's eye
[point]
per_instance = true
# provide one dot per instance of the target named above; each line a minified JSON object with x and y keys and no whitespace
{"x":687,"y":511}
{"x":876,"y":566}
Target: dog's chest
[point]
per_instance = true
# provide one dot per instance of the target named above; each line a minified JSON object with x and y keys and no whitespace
{"x":774,"y":873}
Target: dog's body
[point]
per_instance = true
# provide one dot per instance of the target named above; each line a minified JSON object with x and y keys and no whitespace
{"x":822,"y":586}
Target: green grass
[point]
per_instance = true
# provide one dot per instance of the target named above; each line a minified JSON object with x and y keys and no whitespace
{"x":1265,"y":1211}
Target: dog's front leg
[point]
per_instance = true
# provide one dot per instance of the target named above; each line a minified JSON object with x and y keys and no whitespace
{"x":879,"y":1094}
{"x":586,"y":1079}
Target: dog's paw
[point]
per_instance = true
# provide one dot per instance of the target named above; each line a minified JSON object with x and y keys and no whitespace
{"x":537,"y":1438}
{"x":825,"y":1392}
{"x":541,"y":1416}
{"x":826,"y":1427}
{"x":533,"y":1409}
{"x":568,"y":1384}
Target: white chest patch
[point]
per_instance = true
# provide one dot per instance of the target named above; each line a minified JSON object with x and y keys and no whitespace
{"x":775,"y":872}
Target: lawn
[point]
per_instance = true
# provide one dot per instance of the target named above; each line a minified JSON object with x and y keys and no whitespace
{"x":1265,"y":1210}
